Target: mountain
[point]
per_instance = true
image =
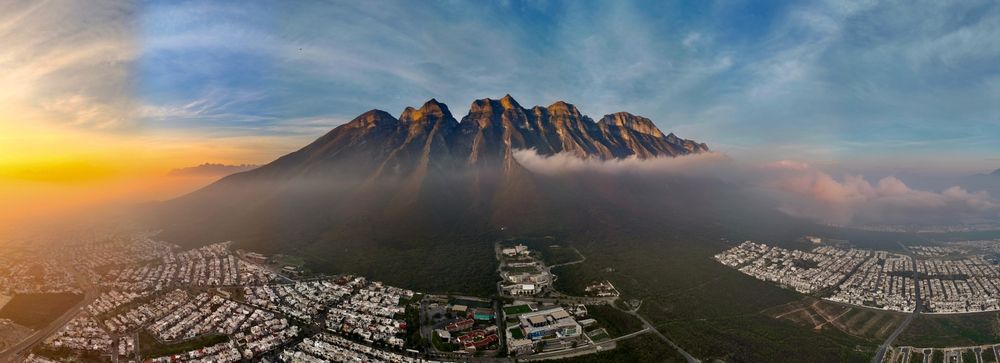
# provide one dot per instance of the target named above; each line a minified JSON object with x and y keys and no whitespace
{"x":430,"y":139}
{"x":426,"y":185}
{"x":996,"y":172}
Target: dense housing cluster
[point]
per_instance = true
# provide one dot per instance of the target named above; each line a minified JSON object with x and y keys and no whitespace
{"x":969,"y":284}
{"x":118,"y":250}
{"x":142,"y":314}
{"x":805,"y":272}
{"x":145,"y":300}
{"x":885,"y":281}
{"x":111,"y":300}
{"x":934,"y":251}
{"x":301,"y":300}
{"x":82,"y":333}
{"x":178,"y":316}
{"x":352,"y":305}
{"x":23,"y":276}
{"x":326,"y":347}
{"x":941,"y":281}
{"x":212,"y":265}
{"x":370,"y":313}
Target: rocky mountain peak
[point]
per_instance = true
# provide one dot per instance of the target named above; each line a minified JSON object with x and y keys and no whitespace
{"x":562,"y":108}
{"x":636,"y":123}
{"x":428,"y":140}
{"x":431,"y":109}
{"x":374,"y":118}
{"x":488,"y":105}
{"x":508,"y":102}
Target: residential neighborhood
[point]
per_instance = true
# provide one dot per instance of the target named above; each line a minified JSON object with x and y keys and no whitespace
{"x":147,"y":300}
{"x":949,"y":280}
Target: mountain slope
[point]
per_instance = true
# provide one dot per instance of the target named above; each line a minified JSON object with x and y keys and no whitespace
{"x":378,"y":187}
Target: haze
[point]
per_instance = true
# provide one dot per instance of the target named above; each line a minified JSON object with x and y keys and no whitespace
{"x":499,"y":181}
{"x":100,"y":101}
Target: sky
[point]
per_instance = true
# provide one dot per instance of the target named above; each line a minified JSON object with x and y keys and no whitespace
{"x":102,"y":99}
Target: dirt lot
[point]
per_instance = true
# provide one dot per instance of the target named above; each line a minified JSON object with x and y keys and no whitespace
{"x":38,"y":310}
{"x":820,"y":314}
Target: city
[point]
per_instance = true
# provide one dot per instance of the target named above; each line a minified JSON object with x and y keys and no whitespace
{"x":145,"y":300}
{"x":959,"y":278}
{"x":500,"y":181}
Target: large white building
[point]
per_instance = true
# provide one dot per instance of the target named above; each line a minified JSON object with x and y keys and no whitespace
{"x":554,"y":322}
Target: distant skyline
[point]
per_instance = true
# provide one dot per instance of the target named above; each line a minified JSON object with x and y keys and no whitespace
{"x":114,"y":89}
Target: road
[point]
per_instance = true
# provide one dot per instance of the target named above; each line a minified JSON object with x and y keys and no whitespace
{"x":13,"y":353}
{"x":501,"y":323}
{"x":587,"y":349}
{"x":647,"y":325}
{"x":596,"y":300}
{"x":880,"y":354}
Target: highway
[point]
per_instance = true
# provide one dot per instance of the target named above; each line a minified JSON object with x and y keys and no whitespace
{"x":24,"y":347}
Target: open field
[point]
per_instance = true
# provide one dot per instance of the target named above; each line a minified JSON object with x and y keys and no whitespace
{"x":952,"y":330}
{"x":820,"y":314}
{"x":149,"y":346}
{"x":521,"y":269}
{"x":559,"y":254}
{"x":516,"y":309}
{"x":614,"y":321}
{"x":38,"y":310}
{"x":472,"y":304}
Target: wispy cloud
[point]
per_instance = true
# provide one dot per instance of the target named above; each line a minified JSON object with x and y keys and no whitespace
{"x":822,"y":73}
{"x":829,"y":79}
{"x":67,"y":62}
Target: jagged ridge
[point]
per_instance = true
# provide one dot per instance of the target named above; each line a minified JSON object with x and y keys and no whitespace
{"x":430,"y":138}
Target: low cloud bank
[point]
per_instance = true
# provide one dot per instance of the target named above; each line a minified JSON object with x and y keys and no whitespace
{"x":798,"y":188}
{"x":695,"y":164}
{"x":853,"y":199}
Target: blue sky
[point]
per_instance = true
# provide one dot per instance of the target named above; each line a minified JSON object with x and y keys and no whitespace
{"x":876,"y":84}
